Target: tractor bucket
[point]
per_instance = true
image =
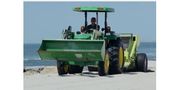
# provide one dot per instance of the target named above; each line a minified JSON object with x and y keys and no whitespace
{"x":72,"y":50}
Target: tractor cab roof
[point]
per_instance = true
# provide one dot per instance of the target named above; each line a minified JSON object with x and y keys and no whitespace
{"x":93,"y":9}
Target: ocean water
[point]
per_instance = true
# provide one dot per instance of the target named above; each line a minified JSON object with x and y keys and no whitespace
{"x":31,"y":57}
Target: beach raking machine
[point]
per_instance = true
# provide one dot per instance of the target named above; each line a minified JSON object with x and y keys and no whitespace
{"x":104,"y":51}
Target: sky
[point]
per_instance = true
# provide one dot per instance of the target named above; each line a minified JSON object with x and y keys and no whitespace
{"x":46,"y":20}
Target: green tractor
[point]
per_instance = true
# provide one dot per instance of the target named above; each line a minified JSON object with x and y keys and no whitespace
{"x":103,"y":51}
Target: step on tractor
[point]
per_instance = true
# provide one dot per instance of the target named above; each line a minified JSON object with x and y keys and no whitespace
{"x":102,"y":50}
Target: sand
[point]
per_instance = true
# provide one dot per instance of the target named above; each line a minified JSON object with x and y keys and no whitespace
{"x":47,"y":79}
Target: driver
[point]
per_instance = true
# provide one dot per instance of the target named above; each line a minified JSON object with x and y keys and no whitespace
{"x":93,"y":24}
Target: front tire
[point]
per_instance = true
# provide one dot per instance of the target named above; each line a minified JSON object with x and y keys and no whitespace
{"x":103,"y":66}
{"x":141,"y":62}
{"x":62,"y":68}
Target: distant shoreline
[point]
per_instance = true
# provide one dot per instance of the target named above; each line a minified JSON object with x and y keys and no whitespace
{"x":42,"y":63}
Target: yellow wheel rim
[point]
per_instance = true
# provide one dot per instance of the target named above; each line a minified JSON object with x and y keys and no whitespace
{"x":65,"y":68}
{"x":106,"y":63}
{"x":121,"y":57}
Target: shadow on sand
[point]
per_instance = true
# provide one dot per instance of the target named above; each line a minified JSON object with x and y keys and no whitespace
{"x":95,"y":74}
{"x":133,"y":72}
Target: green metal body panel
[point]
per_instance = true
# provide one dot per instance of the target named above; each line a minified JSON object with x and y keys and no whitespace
{"x":83,"y":36}
{"x":83,"y":49}
{"x":110,"y":37}
{"x":93,"y":9}
{"x":72,"y":50}
{"x":83,"y":63}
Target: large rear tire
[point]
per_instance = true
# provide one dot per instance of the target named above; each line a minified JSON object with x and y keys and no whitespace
{"x":62,"y":68}
{"x":75,"y":69}
{"x":116,"y":57}
{"x":141,"y":62}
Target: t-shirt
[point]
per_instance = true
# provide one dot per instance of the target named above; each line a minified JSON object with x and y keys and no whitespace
{"x":93,"y":26}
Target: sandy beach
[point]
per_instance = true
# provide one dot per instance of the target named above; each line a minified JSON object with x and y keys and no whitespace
{"x":46,"y":78}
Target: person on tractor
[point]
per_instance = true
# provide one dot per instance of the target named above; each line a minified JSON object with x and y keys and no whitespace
{"x":82,"y":29}
{"x":93,"y":25}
